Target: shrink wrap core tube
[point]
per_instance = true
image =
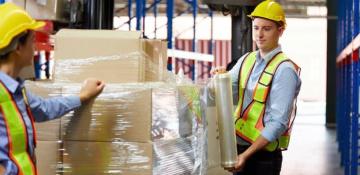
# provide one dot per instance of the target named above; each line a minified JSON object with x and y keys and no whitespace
{"x":224,"y":108}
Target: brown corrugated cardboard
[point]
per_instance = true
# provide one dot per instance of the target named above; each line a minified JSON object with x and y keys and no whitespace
{"x":156,"y":52}
{"x":113,"y":56}
{"x":48,"y":156}
{"x":130,"y":158}
{"x":133,"y":112}
{"x":113,"y":69}
{"x":70,"y":43}
{"x":119,"y":113}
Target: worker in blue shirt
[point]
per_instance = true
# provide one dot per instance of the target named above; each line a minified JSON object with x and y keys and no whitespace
{"x":19,"y":109}
{"x":265,"y":85}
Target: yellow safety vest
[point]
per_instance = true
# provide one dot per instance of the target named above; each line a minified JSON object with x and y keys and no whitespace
{"x":249,"y":124}
{"x":16,"y":132}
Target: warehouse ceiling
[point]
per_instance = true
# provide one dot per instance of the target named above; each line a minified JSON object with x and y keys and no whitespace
{"x":296,"y":8}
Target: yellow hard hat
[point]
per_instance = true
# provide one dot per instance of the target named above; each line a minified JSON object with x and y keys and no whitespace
{"x":13,"y":21}
{"x":269,"y":9}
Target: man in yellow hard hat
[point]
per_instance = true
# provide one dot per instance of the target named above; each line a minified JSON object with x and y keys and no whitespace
{"x":266,"y":84}
{"x":19,"y":108}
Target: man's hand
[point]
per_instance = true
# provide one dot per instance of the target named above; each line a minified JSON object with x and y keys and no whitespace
{"x":218,"y":70}
{"x":2,"y":170}
{"x":241,"y":159}
{"x":90,"y":89}
{"x":259,"y":144}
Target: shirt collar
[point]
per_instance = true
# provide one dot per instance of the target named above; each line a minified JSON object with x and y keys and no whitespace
{"x":270,"y":55}
{"x":11,"y":83}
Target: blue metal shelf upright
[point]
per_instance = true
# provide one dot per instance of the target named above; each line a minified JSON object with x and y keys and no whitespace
{"x":347,"y":113}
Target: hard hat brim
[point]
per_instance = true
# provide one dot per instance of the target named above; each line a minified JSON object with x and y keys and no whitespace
{"x":38,"y":25}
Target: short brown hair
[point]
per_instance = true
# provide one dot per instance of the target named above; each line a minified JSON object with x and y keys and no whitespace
{"x":19,"y":39}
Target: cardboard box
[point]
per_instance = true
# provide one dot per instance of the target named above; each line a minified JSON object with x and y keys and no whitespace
{"x":156,"y":52}
{"x":113,"y":56}
{"x":113,"y":69}
{"x":71,"y":43}
{"x":119,"y":113}
{"x":47,"y":130}
{"x":130,"y":158}
{"x":134,"y":112}
{"x":47,"y":157}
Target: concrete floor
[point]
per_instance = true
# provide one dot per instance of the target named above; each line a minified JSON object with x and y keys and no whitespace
{"x":313,"y":148}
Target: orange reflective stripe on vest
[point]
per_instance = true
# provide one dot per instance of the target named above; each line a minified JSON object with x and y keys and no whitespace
{"x":249,"y":124}
{"x":16,"y":132}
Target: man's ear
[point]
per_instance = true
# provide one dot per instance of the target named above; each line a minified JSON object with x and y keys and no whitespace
{"x":18,"y":49}
{"x":281,"y":30}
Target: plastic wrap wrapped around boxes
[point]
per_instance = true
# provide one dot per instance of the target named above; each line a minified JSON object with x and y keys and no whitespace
{"x":133,"y":128}
{"x":112,"y":56}
{"x":158,"y":125}
{"x":140,"y":128}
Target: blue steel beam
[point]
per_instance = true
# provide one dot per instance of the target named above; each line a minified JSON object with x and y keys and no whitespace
{"x":139,"y":11}
{"x":194,"y":13}
{"x":143,"y":16}
{"x":170,"y":15}
{"x":129,"y":13}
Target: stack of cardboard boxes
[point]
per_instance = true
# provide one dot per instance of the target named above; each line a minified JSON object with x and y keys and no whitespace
{"x":138,"y":125}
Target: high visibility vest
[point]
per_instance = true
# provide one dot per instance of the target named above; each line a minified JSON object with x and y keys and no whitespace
{"x":17,"y":135}
{"x":250,"y":123}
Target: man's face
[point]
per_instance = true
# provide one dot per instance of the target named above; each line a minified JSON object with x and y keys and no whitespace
{"x":26,"y":50}
{"x":266,"y":34}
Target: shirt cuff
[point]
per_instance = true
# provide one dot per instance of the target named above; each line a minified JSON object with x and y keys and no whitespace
{"x":273,"y":131}
{"x":74,"y":101}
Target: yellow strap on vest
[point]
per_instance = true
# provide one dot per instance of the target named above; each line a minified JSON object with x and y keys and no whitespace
{"x":16,"y":130}
{"x":250,"y":123}
{"x":263,"y":86}
{"x":245,"y":70}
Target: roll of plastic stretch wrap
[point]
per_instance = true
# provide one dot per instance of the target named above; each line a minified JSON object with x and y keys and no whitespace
{"x":224,"y":108}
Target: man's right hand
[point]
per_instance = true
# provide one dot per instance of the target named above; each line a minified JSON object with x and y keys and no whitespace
{"x":90,"y":89}
{"x":218,"y":70}
{"x":2,"y":170}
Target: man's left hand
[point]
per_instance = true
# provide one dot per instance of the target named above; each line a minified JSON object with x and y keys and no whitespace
{"x":241,"y":159}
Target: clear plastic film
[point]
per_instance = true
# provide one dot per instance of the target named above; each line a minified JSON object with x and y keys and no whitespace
{"x":165,"y":115}
{"x":127,"y":68}
{"x":133,"y":128}
{"x":224,"y":108}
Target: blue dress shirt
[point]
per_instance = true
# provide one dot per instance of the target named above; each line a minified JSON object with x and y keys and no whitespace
{"x":284,"y":89}
{"x":42,"y":110}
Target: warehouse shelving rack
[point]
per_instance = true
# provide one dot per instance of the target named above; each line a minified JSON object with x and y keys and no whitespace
{"x":347,"y":82}
{"x":142,"y":7}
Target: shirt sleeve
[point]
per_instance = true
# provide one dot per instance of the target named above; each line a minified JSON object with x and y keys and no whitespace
{"x":51,"y":108}
{"x":285,"y":87}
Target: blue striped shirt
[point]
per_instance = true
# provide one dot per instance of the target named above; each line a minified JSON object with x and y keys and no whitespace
{"x":42,"y":110}
{"x":284,"y":89}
